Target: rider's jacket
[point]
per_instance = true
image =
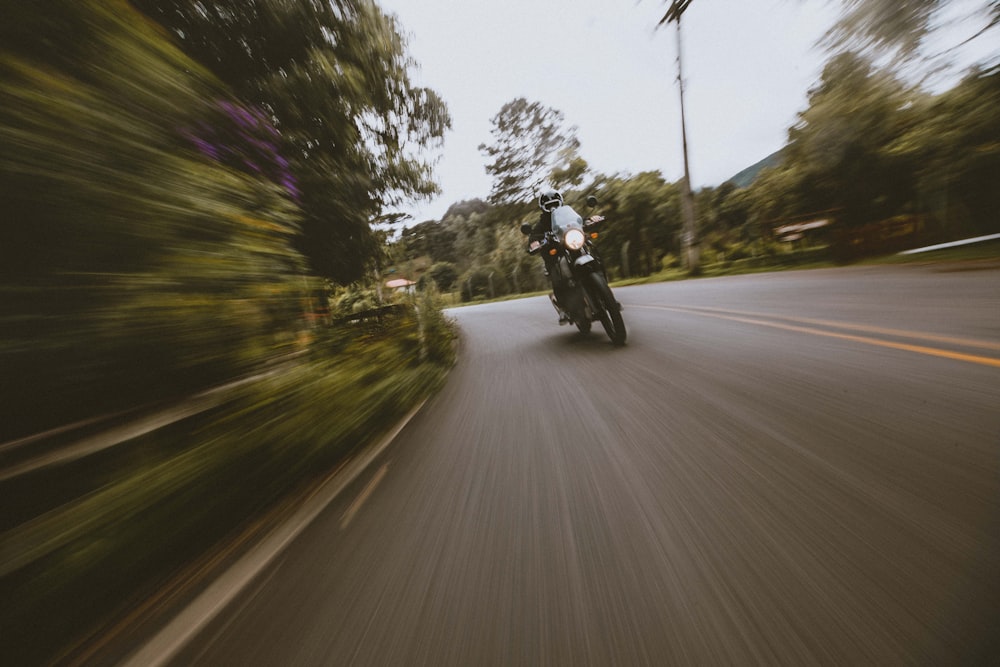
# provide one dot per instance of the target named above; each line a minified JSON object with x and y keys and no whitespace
{"x":543,"y":225}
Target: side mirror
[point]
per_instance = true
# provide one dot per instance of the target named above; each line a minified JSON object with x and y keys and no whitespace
{"x":526,"y":228}
{"x":591,"y":201}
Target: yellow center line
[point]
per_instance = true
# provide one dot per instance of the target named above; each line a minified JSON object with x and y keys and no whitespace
{"x":919,"y":349}
{"x":884,"y":331}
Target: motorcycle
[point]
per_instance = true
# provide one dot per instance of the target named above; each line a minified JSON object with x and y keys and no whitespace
{"x":579,"y":283}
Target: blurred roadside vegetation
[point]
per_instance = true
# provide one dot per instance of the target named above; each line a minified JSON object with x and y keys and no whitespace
{"x":188,"y":192}
{"x":168,"y":219}
{"x":87,"y":543}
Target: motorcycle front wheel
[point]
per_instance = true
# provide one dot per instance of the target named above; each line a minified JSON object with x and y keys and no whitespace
{"x":609,"y":313}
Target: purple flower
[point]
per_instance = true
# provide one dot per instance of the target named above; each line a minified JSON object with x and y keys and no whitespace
{"x":206,"y":148}
{"x":244,"y":139}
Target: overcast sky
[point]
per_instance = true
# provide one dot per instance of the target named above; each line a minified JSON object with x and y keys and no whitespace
{"x":748,"y":67}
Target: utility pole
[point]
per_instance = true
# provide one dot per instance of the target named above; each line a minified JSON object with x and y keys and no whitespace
{"x":689,"y":239}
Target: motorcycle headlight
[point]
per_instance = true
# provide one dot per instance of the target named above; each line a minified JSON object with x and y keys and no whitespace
{"x":574,"y":239}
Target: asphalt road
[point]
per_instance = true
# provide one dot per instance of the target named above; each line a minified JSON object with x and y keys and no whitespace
{"x":795,"y":468}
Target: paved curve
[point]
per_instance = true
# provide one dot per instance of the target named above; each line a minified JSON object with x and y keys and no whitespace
{"x":779,"y":469}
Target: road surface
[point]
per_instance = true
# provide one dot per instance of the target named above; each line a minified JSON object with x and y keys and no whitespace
{"x":794,"y":468}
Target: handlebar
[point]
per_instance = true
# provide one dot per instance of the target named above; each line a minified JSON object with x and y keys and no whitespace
{"x":536,"y":247}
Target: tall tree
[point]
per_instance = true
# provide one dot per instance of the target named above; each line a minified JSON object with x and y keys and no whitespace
{"x":955,"y":150}
{"x":841,"y":143}
{"x":529,"y":143}
{"x":334,"y":77}
{"x":647,"y":222}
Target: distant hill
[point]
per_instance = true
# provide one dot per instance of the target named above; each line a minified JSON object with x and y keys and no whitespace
{"x":745,"y":177}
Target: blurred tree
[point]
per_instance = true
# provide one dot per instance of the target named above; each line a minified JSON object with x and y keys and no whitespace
{"x":839,"y":147}
{"x":529,"y":143}
{"x":955,"y":150}
{"x":902,"y":26}
{"x":139,"y":260}
{"x":466,"y":208}
{"x":643,"y":213}
{"x":431,"y":238}
{"x":474,"y":240}
{"x":334,"y":77}
{"x":732,"y":207}
{"x":523,"y":271}
{"x":648,"y":218}
{"x":569,"y":172}
{"x":776,"y":194}
{"x":483,"y":282}
{"x":444,"y":275}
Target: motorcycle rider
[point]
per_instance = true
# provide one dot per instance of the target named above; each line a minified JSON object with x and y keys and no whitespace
{"x":549,"y":201}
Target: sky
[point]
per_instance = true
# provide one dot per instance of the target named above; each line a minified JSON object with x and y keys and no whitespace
{"x":748,"y":67}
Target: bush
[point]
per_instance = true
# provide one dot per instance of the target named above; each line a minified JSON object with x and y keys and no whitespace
{"x":485,"y":282}
{"x":443,"y":274}
{"x":670,"y":261}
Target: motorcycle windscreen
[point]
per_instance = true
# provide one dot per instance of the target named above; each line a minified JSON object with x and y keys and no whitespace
{"x":564,"y":218}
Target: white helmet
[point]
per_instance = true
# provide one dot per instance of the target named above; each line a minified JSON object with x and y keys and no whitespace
{"x":550,"y":200}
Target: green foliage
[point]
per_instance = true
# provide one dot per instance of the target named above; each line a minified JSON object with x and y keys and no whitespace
{"x":465,"y":209}
{"x":900,"y":27}
{"x":335,"y":79}
{"x":644,"y":220}
{"x":353,"y":299}
{"x":474,"y":239}
{"x":484,"y":282}
{"x":161,"y":212}
{"x":839,"y":143}
{"x":430,"y":238}
{"x":443,"y":274}
{"x":529,"y":143}
{"x":570,"y":173}
{"x":954,"y":147}
{"x":880,"y":24}
{"x":521,"y":272}
{"x":437,"y":332}
{"x":134,"y":265}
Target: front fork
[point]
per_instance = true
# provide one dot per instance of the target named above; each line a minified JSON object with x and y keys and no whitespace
{"x":563,"y":315}
{"x":576,"y":286}
{"x":576,"y":298}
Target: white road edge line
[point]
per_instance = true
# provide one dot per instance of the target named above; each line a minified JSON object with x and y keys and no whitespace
{"x":348,"y":516}
{"x":182,"y":629}
{"x":953,"y":244}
